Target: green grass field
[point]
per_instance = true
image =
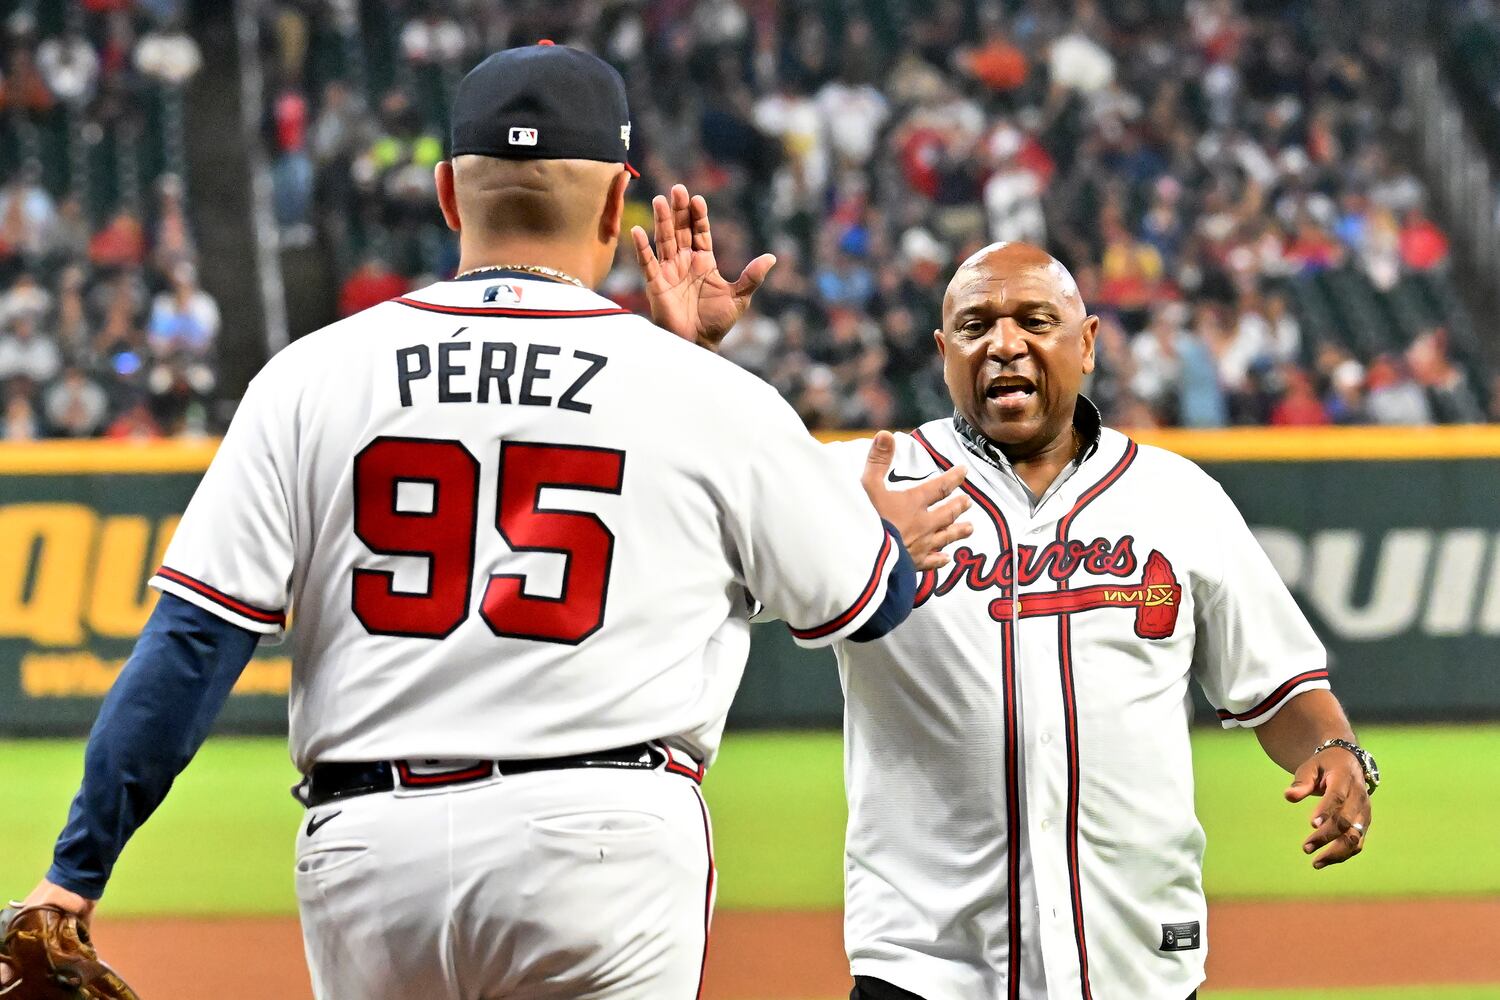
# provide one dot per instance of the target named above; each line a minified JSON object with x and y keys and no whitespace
{"x":1364,"y":993}
{"x":222,"y":842}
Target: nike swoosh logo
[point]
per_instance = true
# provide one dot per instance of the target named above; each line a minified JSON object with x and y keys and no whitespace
{"x":316,"y":823}
{"x":891,"y":477}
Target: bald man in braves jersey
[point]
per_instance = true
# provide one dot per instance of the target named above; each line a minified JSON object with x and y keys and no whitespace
{"x":1017,"y":757}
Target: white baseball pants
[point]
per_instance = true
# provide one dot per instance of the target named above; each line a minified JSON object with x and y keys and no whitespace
{"x":576,"y":883}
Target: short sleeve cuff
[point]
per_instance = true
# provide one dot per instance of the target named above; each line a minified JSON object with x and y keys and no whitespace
{"x":1267,"y":707}
{"x":849,"y":622}
{"x":216,"y":602}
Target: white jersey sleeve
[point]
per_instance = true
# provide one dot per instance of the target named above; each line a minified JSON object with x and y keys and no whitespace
{"x":813,"y":550}
{"x":233,"y":551}
{"x":1255,"y":648}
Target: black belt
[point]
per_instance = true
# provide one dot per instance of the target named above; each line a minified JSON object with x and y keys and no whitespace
{"x":342,"y":780}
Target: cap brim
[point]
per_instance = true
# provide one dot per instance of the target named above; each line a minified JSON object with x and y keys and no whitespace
{"x":633,"y":172}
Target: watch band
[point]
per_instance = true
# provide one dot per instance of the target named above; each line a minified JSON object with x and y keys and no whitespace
{"x":1366,"y":762}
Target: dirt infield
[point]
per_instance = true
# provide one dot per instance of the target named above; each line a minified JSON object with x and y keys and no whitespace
{"x":799,"y":956}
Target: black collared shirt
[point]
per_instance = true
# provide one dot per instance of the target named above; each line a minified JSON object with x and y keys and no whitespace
{"x":1086,"y":421}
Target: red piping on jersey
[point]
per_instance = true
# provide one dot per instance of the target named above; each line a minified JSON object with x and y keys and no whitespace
{"x":682,"y":769}
{"x":848,"y":616}
{"x":512,"y":313}
{"x":220,"y":598}
{"x":676,"y":767}
{"x":484,"y":770}
{"x":708,"y":892}
{"x":1070,"y":706}
{"x":1276,"y":696}
{"x":1012,"y":738}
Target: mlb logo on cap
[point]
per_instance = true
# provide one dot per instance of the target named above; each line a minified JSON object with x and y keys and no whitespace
{"x":574,"y":103}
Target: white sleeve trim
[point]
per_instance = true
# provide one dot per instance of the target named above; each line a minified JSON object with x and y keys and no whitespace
{"x":1267,"y":708}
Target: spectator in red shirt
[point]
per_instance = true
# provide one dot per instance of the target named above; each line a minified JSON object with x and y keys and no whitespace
{"x":1131,"y":275}
{"x":23,"y":87}
{"x":122,"y":243}
{"x":997,"y":63}
{"x":1300,"y":406}
{"x":292,"y":173}
{"x":1313,"y":249}
{"x":290,"y":113}
{"x":1423,"y":245}
{"x":371,"y":284}
{"x":135,"y":423}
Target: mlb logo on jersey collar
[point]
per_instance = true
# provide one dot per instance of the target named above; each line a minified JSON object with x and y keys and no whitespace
{"x":503,"y":293}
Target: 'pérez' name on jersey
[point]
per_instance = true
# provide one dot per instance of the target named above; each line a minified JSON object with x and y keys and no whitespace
{"x":488,"y":372}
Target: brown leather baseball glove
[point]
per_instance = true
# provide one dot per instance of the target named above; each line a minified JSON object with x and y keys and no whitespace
{"x":45,"y":954}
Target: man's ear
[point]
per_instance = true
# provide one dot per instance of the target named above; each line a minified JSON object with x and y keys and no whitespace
{"x":942,"y":345}
{"x":447,"y":195}
{"x":1090,"y":331}
{"x":613,"y":218}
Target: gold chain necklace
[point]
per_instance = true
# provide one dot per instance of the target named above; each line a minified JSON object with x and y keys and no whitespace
{"x":546,"y":272}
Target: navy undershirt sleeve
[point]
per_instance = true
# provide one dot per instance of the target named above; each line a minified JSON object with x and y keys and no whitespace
{"x":899,"y":593}
{"x":153,"y":720}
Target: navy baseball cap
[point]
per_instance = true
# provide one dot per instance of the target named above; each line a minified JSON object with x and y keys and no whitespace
{"x":543,"y":102}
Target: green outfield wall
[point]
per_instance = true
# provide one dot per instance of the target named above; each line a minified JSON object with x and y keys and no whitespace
{"x":1390,"y":540}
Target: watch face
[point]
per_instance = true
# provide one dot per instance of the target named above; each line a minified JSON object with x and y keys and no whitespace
{"x":1373,"y":772}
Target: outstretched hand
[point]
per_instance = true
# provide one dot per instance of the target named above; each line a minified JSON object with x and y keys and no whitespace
{"x":688,"y":295}
{"x":926,"y":514}
{"x":1342,"y":818}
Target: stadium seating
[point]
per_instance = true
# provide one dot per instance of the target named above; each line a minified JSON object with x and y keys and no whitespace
{"x":1171,"y":137}
{"x":96,"y":241}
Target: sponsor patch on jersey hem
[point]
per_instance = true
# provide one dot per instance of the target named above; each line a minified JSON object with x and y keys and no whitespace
{"x":1180,"y":937}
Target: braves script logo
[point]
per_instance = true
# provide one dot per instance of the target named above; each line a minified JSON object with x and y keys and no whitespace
{"x":1156,"y":597}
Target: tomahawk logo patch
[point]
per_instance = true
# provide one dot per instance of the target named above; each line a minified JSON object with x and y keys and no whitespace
{"x":1180,"y":937}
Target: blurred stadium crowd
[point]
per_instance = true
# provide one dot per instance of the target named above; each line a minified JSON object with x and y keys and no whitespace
{"x":103,"y":328}
{"x":1224,"y":177}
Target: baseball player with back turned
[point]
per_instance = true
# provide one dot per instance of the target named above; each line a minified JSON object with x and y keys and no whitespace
{"x":1017,"y":754}
{"x":521,"y":584}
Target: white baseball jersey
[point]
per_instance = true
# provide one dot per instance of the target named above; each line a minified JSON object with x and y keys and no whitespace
{"x":1020,"y":781}
{"x":514,"y":520}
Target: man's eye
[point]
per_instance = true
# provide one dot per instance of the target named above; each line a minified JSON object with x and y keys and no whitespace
{"x":1039,"y":323}
{"x":972,"y":326}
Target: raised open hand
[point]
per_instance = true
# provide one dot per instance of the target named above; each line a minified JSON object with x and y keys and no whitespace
{"x":687,"y":293}
{"x":926,"y":514}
